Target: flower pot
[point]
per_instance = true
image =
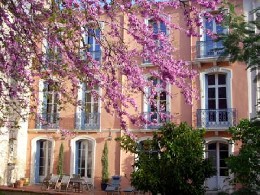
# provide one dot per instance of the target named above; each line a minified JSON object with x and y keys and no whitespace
{"x":20,"y":183}
{"x":103,"y":186}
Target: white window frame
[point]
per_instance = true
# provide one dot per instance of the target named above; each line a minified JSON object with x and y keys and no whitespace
{"x":33,"y":152}
{"x":80,"y":107}
{"x":203,"y":87}
{"x":146,"y":102}
{"x":73,"y":155}
{"x":42,"y":99}
{"x":146,"y":21}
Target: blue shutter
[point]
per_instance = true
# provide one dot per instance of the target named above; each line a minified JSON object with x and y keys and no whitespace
{"x":209,"y":44}
{"x":220,"y":30}
{"x":155,"y":27}
{"x":77,"y":157}
{"x":91,"y":39}
{"x":37,"y":162}
{"x":208,"y":26}
{"x":163,"y":28}
{"x":83,"y":111}
{"x":97,"y":46}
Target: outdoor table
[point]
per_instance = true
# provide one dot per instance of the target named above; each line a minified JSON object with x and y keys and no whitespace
{"x":77,"y":184}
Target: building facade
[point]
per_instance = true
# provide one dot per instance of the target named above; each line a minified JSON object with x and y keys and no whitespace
{"x":226,"y":95}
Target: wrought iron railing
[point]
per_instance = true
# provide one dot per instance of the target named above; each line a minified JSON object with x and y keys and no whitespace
{"x":47,"y":120}
{"x":155,"y":119}
{"x":221,"y":118}
{"x":206,"y":49}
{"x":85,"y":121}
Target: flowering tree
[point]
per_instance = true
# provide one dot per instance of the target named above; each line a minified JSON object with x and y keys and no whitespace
{"x":46,"y":39}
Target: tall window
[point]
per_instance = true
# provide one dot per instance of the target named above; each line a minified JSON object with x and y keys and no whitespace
{"x":49,"y":116}
{"x":217,"y":97}
{"x":217,"y":152}
{"x":208,"y":47}
{"x":158,"y":27}
{"x":84,"y":158}
{"x":42,"y":159}
{"x":51,"y":55}
{"x":91,"y":44}
{"x":88,"y":116}
{"x":157,"y":103}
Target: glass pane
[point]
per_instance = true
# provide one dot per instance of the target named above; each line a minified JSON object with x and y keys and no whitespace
{"x":212,"y":157}
{"x":223,"y":154}
{"x":212,"y":146}
{"x":95,"y":108}
{"x":163,"y":96}
{"x":212,"y":104}
{"x":221,"y":79}
{"x":88,"y":108}
{"x":88,"y":97}
{"x":211,"y":79}
{"x":222,"y":92}
{"x":223,"y":146}
{"x":163,"y":106}
{"x":223,"y":172}
{"x":211,"y":93}
{"x":222,"y":163}
{"x":163,"y":27}
{"x":222,"y":103}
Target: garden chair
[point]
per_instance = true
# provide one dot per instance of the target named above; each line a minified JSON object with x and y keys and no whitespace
{"x":87,"y":184}
{"x":114,"y":186}
{"x":64,"y":183}
{"x":50,"y":181}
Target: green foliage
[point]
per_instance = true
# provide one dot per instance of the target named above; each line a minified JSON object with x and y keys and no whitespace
{"x":104,"y":161}
{"x":246,"y":165}
{"x":241,"y":42}
{"x":60,"y":160}
{"x":172,"y":162}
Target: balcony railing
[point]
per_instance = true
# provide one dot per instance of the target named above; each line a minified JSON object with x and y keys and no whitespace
{"x":47,"y":121}
{"x":155,"y":119}
{"x":86,"y":121}
{"x":216,"y":119}
{"x":96,"y":55}
{"x":209,"y":49}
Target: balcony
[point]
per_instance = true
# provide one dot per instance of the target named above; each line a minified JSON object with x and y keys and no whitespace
{"x":216,"y":119}
{"x":86,"y":121}
{"x":155,"y":120}
{"x":209,"y":49}
{"x":96,"y":55}
{"x":47,"y":121}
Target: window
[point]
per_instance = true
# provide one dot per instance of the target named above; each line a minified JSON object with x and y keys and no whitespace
{"x":51,"y":55}
{"x":158,"y":27}
{"x":216,"y":111}
{"x":156,"y":110}
{"x":207,"y":47}
{"x":88,"y":116}
{"x":217,"y":152}
{"x":42,"y":159}
{"x":49,"y":115}
{"x":91,"y":44}
{"x":84,"y":158}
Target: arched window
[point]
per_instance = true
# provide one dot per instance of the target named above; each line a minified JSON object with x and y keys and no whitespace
{"x":84,"y":158}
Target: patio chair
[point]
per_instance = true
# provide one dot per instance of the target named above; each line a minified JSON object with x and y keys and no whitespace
{"x":64,"y":183}
{"x":50,"y":181}
{"x":87,"y":184}
{"x":114,"y":186}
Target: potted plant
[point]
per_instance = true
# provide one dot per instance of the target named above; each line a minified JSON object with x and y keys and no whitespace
{"x":60,"y":160}
{"x":104,"y":162}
